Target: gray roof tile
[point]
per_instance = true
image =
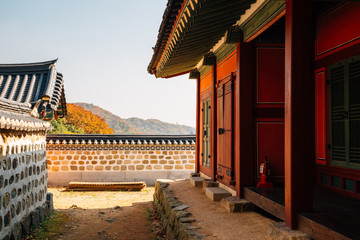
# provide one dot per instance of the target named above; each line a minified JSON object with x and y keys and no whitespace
{"x":29,"y":82}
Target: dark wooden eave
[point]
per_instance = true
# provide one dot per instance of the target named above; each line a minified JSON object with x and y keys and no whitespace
{"x":200,"y":26}
{"x":169,"y":17}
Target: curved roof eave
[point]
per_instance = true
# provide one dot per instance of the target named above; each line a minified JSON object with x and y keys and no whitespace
{"x":200,"y":25}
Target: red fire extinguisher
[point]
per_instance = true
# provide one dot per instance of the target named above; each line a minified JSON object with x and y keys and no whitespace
{"x":265,"y":175}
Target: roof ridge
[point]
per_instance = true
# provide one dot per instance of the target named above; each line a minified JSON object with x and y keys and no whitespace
{"x":50,"y":62}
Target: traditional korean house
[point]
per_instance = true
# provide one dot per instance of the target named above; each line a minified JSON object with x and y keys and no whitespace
{"x":25,"y":91}
{"x":38,"y":84}
{"x":278,"y":81}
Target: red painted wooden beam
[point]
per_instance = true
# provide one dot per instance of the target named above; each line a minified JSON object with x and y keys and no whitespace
{"x":198,"y":107}
{"x":299,"y":110}
{"x":244,"y":134}
{"x":213,"y":124}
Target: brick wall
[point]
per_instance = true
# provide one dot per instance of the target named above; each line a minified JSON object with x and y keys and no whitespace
{"x":102,"y":160}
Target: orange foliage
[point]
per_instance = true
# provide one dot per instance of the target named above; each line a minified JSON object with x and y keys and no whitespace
{"x":86,"y":120}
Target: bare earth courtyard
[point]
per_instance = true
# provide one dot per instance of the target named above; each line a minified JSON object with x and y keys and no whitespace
{"x":125,"y":215}
{"x":105,"y":214}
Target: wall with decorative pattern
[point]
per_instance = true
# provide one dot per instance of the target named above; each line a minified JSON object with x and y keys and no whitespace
{"x":23,"y":181}
{"x":118,"y":158}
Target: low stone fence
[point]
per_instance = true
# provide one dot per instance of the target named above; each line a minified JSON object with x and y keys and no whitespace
{"x":109,"y":158}
{"x":173,"y":215}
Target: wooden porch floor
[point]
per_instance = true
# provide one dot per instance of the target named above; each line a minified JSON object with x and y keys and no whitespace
{"x":334,"y":216}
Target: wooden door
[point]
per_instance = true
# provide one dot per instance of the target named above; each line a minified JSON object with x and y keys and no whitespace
{"x":225,"y":164}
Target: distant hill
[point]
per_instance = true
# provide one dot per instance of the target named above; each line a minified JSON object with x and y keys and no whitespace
{"x":137,"y":126}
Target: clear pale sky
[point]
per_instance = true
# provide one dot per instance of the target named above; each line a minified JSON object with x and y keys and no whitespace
{"x":104,"y":48}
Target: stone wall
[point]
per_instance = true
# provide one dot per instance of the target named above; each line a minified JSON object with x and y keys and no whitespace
{"x":23,"y":182}
{"x":175,"y":220}
{"x":118,"y":158}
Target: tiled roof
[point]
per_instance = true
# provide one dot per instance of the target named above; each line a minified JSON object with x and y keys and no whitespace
{"x":21,"y":122}
{"x":120,"y":139}
{"x":16,"y":116}
{"x":188,"y":32}
{"x":27,"y":83}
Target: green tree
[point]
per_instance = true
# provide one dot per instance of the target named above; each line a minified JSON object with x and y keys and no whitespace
{"x":61,"y":126}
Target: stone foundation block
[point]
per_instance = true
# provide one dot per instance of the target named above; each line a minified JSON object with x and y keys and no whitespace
{"x":25,"y":225}
{"x":16,"y":232}
{"x":34,"y":216}
{"x":278,"y":231}
{"x":196,"y":181}
{"x":7,"y":237}
{"x":50,"y":201}
{"x":235,"y":204}
{"x":41,"y":213}
{"x":216,"y":193}
{"x":209,"y":183}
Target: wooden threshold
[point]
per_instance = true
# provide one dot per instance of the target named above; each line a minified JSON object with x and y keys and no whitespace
{"x":263,"y":200}
{"x":334,"y":216}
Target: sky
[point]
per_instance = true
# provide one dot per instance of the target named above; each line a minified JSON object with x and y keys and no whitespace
{"x":104,"y":48}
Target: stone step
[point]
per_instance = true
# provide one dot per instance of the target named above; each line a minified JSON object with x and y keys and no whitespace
{"x":216,"y":193}
{"x":196,"y":181}
{"x":278,"y":230}
{"x":235,"y":204}
{"x":209,"y":183}
{"x":194,"y":175}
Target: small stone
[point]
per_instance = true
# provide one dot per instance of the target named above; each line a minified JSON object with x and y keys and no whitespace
{"x":187,"y":220}
{"x":110,"y":220}
{"x":181,"y":207}
{"x":182,"y":214}
{"x":117,"y":207}
{"x":101,"y":212}
{"x":193,"y":227}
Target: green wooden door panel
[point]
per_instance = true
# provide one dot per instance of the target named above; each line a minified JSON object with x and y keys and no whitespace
{"x":345,"y":113}
{"x":354,"y":111}
{"x":206,"y":133}
{"x":337,"y":113}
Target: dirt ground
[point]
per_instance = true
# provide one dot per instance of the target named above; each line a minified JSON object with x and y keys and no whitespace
{"x":214,"y":221}
{"x":124,"y":215}
{"x":106,"y":215}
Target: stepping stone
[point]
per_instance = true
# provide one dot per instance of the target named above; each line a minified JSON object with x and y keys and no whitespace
{"x":181,"y":207}
{"x":194,"y":175}
{"x":197,"y":181}
{"x":235,"y":204}
{"x":209,"y":183}
{"x":216,"y":193}
{"x":278,"y":231}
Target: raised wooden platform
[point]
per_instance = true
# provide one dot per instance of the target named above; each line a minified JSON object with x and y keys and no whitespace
{"x":105,"y":186}
{"x":334,"y":216}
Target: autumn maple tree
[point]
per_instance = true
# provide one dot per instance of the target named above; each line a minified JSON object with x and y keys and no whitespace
{"x":79,"y":120}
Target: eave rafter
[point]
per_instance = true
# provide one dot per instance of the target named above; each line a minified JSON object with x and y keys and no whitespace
{"x":199,"y":26}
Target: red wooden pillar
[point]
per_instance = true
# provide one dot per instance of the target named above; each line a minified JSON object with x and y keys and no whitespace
{"x":299,"y":110}
{"x":198,"y":107}
{"x":244,"y":134}
{"x":213,"y":133}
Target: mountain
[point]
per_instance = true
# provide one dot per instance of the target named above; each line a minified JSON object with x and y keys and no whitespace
{"x":137,"y":126}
